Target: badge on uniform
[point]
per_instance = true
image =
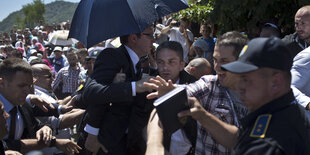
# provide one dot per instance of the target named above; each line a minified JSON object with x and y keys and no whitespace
{"x":261,"y":125}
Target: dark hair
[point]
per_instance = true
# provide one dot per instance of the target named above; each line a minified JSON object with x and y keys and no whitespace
{"x":37,"y":61}
{"x":234,"y":39}
{"x":172,"y":45}
{"x":208,"y":27}
{"x":273,"y":29}
{"x":15,"y":53}
{"x":124,"y":38}
{"x":9,"y":67}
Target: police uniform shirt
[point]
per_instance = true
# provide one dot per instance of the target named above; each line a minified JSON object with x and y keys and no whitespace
{"x":278,"y":127}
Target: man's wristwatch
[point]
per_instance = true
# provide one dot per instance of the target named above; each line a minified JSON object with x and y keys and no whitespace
{"x":53,"y":142}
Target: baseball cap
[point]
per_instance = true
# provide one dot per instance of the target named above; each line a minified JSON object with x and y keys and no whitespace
{"x":57,"y":48}
{"x":94,"y":54}
{"x":259,"y":53}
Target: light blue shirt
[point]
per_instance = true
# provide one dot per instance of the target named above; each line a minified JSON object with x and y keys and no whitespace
{"x":19,"y":121}
{"x":301,"y":71}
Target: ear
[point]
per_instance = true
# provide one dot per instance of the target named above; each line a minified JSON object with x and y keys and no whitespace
{"x":192,"y":69}
{"x":132,"y":38}
{"x":34,"y":80}
{"x":182,"y":65}
{"x":276,"y":83}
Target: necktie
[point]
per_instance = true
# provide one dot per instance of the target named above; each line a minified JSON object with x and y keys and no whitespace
{"x":13,"y":113}
{"x":138,"y":66}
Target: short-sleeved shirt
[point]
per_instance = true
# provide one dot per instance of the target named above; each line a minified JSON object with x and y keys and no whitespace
{"x":286,"y":132}
{"x":176,"y":35}
{"x":70,"y":79}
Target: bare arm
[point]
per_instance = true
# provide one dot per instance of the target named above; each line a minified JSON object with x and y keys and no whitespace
{"x":155,"y":136}
{"x":166,"y":30}
{"x":71,"y":118}
{"x":223,"y":133}
{"x":31,"y":144}
{"x":64,"y":145}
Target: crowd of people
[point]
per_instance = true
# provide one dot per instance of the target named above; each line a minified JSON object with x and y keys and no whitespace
{"x":246,"y":95}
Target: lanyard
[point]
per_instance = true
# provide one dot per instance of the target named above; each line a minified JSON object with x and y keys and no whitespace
{"x":233,"y":109}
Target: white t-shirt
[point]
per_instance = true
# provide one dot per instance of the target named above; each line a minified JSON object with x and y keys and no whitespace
{"x":176,"y":35}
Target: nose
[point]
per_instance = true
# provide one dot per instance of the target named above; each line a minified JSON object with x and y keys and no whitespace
{"x":217,"y":67}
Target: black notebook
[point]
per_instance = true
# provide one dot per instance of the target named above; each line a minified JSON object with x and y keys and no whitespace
{"x":168,"y":106}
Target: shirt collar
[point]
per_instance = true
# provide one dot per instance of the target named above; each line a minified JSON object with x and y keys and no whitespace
{"x":41,"y":89}
{"x":7,"y":105}
{"x":133,"y":56}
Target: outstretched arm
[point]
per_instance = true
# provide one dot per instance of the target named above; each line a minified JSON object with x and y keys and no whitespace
{"x":222,"y":132}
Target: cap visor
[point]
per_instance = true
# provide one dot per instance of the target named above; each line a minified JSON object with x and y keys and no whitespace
{"x":239,"y":67}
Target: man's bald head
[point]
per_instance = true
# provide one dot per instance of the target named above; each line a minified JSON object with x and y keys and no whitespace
{"x":305,"y":10}
{"x":43,"y":76}
{"x":39,"y":69}
{"x":199,"y":67}
{"x":302,"y":23}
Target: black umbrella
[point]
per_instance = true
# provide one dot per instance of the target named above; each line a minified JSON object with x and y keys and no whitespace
{"x":97,"y":20}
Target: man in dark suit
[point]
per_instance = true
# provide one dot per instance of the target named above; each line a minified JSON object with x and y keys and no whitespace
{"x":3,"y":128}
{"x":15,"y":84}
{"x":123,"y":111}
{"x":170,"y":65}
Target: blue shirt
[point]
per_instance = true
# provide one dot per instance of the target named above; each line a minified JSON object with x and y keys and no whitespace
{"x":19,"y":121}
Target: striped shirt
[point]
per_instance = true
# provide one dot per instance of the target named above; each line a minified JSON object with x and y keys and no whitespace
{"x":219,"y":102}
{"x":69,"y":78}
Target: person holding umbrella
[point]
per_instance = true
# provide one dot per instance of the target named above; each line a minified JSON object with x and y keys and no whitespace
{"x":115,"y":121}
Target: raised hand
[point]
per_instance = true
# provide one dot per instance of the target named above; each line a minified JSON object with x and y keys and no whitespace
{"x":40,"y":102}
{"x":161,"y":86}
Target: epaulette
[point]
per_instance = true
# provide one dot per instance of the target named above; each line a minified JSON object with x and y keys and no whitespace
{"x":261,"y":124}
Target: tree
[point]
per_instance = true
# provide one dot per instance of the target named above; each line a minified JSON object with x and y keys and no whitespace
{"x":243,"y":15}
{"x":33,"y":13}
{"x":247,"y":15}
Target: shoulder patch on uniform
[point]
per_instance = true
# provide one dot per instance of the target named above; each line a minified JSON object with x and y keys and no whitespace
{"x":80,"y":87}
{"x":260,"y":126}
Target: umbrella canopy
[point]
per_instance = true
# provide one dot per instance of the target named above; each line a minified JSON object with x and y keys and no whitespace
{"x":97,"y":20}
{"x":60,"y":38}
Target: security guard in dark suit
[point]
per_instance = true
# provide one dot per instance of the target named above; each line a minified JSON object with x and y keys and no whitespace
{"x":277,"y":124}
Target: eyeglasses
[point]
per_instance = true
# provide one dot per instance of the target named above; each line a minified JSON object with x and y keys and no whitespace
{"x":149,"y":34}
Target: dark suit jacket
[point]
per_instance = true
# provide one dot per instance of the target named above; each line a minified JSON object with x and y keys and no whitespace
{"x":1,"y":148}
{"x":115,"y":110}
{"x":31,"y":125}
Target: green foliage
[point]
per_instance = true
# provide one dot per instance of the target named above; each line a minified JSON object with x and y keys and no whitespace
{"x":196,"y":12}
{"x":246,"y":15}
{"x":33,"y":13}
